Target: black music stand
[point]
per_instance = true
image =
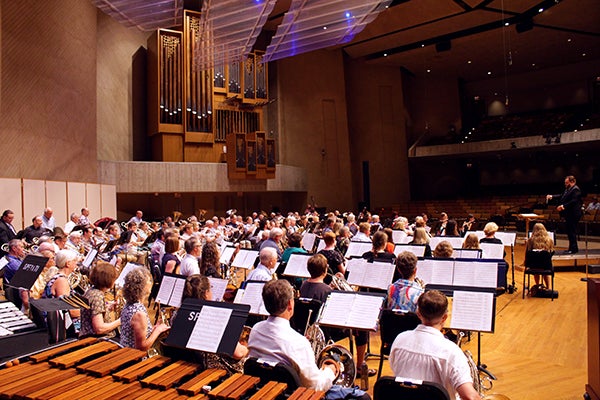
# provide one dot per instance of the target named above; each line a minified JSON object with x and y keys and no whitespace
{"x":190,"y":316}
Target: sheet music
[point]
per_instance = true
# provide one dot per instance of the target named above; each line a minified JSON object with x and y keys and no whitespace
{"x":113,"y":260}
{"x":509,"y":238}
{"x":3,"y":262}
{"x":466,"y":253}
{"x":252,"y":295}
{"x":372,"y":275}
{"x":472,"y":311}
{"x":89,"y":258}
{"x":417,"y":250}
{"x":218,"y":288}
{"x":358,"y":249}
{"x":438,"y":272}
{"x":171,"y":291}
{"x":205,"y":339}
{"x":321,"y":245}
{"x":352,"y":310}
{"x":126,"y":269}
{"x":297,"y":266}
{"x":226,"y":254}
{"x":365,"y":312}
{"x":308,"y":241}
{"x":492,"y":251}
{"x":354,"y":261}
{"x":398,"y":236}
{"x":245,"y":259}
{"x":475,"y":274}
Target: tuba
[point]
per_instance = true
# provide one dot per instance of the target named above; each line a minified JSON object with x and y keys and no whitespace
{"x":343,"y":358}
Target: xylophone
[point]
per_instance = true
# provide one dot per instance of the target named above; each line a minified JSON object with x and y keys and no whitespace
{"x":96,"y":369}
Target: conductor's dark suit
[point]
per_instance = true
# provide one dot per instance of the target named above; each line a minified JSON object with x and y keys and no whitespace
{"x":572,"y":202}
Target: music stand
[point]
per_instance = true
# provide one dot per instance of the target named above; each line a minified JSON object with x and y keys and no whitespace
{"x":189,"y":329}
{"x":251,"y":295}
{"x":31,"y":267}
{"x":170,"y":292}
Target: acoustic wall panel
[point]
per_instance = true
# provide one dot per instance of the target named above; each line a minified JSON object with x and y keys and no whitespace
{"x":10,"y":199}
{"x":94,"y":201}
{"x":56,"y":199}
{"x":75,"y":196}
{"x":34,"y":199}
{"x":109,"y":201}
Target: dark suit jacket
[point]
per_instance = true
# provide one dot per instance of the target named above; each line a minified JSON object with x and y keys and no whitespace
{"x":571,"y":200}
{"x":6,"y":234}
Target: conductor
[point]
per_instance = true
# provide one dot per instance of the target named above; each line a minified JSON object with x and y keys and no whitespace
{"x":570,"y":209}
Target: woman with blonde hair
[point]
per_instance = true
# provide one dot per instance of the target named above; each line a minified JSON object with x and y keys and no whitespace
{"x":471,"y":242}
{"x":420,"y":236}
{"x":540,"y":240}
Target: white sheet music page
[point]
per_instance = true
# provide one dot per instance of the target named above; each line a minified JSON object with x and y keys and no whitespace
{"x":218,"y":288}
{"x":337,"y":308}
{"x":442,"y":272}
{"x":245,"y":259}
{"x":297,"y":266}
{"x":359,"y":268}
{"x":425,"y":270}
{"x":472,"y":311}
{"x":492,"y":251}
{"x":398,"y":236}
{"x":126,"y":269}
{"x":226,"y":255}
{"x":475,"y":274}
{"x":354,"y":261}
{"x":89,"y":258}
{"x":357,"y":249}
{"x":308,"y":240}
{"x":380,"y":275}
{"x":417,"y":250}
{"x":166,"y":288}
{"x":3,"y":262}
{"x":177,"y":294}
{"x":364,"y":312}
{"x":204,"y":339}
{"x":253,"y":297}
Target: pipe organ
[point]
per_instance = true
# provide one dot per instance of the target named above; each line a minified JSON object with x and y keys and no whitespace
{"x":195,"y":108}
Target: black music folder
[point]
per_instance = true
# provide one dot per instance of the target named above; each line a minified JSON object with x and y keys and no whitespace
{"x":210,"y":326}
{"x":28,"y":272}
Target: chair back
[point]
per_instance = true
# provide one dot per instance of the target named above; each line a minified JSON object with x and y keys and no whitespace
{"x":393,"y":322}
{"x":303,"y":307}
{"x":388,"y":387}
{"x":538,"y":259}
{"x":277,"y":372}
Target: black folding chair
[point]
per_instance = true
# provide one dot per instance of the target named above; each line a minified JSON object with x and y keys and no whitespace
{"x":268,"y":371}
{"x":391,"y":323}
{"x":388,"y":387}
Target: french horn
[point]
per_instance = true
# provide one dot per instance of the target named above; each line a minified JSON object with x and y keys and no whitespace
{"x":343,"y":358}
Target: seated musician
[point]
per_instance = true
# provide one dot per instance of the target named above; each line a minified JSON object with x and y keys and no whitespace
{"x":490,"y":230}
{"x":96,"y":320}
{"x":363,"y":234}
{"x":421,"y":237}
{"x":404,"y":293}
{"x":266,"y":268}
{"x":294,"y":246}
{"x":60,"y":324}
{"x":136,"y":329}
{"x":210,"y":262}
{"x":274,"y":340}
{"x":189,"y":264}
{"x":314,"y":288}
{"x":425,"y":354}
{"x":471,"y":242}
{"x":198,"y":287}
{"x":443,"y":249}
{"x":335,"y":259}
{"x":170,"y":260}
{"x":378,"y":253}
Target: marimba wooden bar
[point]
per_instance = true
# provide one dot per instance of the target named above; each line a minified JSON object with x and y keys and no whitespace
{"x":93,"y":369}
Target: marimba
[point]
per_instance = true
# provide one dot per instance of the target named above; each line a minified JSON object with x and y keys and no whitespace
{"x":96,"y":369}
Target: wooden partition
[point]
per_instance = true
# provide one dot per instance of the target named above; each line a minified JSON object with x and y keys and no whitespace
{"x":28,"y":198}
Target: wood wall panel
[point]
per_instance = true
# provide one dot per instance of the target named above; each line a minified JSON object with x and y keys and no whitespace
{"x":75,"y":196}
{"x":34,"y":199}
{"x":56,"y":198}
{"x":93,"y":195}
{"x":10,"y":193}
{"x":109,"y":201}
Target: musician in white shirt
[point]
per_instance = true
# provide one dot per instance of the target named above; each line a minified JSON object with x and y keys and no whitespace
{"x":189,"y":264}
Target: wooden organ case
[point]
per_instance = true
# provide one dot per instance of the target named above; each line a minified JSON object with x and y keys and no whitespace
{"x":199,"y":112}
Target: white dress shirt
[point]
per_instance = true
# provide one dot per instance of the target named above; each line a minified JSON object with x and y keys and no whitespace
{"x":189,"y":266}
{"x":426,"y":354}
{"x":260,"y":273}
{"x":274,"y":340}
{"x":360,"y":237}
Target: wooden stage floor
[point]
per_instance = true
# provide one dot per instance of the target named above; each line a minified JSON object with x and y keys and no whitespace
{"x":539,"y":348}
